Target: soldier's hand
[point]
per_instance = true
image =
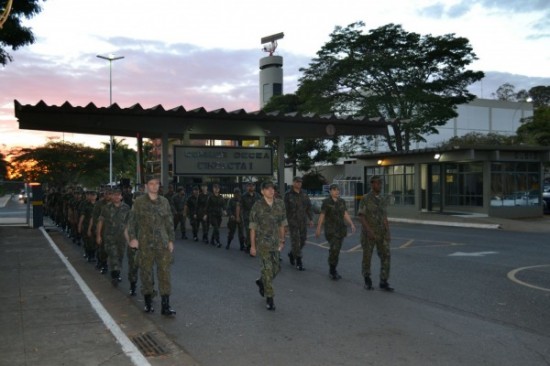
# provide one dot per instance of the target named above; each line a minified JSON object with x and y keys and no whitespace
{"x":171,"y":247}
{"x":318,"y":232}
{"x":133,"y":244}
{"x":252,"y":251}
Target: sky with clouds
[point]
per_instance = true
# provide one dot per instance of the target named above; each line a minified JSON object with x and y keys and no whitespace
{"x":206,"y":53}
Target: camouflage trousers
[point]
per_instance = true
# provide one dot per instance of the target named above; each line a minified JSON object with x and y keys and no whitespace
{"x":383,"y":250}
{"x":180,"y":219}
{"x":232,"y":226}
{"x":89,"y":243}
{"x":335,"y":245}
{"x":246,"y":223}
{"x":298,"y":236}
{"x":115,"y":254}
{"x":270,"y":267}
{"x":133,"y":265}
{"x":149,"y":258}
{"x":215,"y":222}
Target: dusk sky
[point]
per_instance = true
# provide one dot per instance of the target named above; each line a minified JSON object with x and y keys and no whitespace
{"x":206,"y":53}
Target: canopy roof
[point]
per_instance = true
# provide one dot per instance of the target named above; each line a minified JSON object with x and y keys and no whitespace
{"x":198,"y":123}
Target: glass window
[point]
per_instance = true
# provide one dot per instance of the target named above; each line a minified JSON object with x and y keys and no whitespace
{"x":398,"y":182}
{"x":464,"y":184}
{"x":515,"y":184}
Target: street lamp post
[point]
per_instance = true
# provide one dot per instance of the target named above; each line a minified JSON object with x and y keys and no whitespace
{"x":110,"y":58}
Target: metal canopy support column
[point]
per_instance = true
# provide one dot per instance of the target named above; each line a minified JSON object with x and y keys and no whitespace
{"x":164,"y":161}
{"x":281,"y":164}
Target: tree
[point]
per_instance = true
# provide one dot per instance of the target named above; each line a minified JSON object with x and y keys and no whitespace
{"x":65,"y":163}
{"x":13,"y":35}
{"x":303,"y":154}
{"x":540,"y":96}
{"x":417,"y":80}
{"x":506,"y":92}
{"x":536,"y":130}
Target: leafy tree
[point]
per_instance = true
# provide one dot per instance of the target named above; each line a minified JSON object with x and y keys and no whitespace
{"x":536,"y":130}
{"x":65,"y":163}
{"x":303,"y":154}
{"x":540,"y":96}
{"x":13,"y":35}
{"x":391,"y":73}
{"x":506,"y":92}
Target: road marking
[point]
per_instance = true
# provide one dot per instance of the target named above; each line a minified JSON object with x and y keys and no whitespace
{"x":512,"y":276}
{"x":472,"y":254}
{"x":406,"y":245}
{"x":127,"y":346}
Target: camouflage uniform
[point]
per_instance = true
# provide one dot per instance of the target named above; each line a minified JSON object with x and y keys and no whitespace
{"x":101,"y":252}
{"x":179,"y":202}
{"x":247,"y":202}
{"x":114,"y":220}
{"x":335,"y":226}
{"x":373,"y":209}
{"x":192,"y":205}
{"x":232,"y":223}
{"x":266,"y":220}
{"x":202,"y":204}
{"x":89,"y":241}
{"x":298,"y":212}
{"x":214,"y":208}
{"x":152,"y":225}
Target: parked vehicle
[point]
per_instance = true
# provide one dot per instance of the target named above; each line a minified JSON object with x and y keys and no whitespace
{"x":546,"y":199}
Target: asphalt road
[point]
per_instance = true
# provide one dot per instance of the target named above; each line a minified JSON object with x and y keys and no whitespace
{"x":463,"y":297}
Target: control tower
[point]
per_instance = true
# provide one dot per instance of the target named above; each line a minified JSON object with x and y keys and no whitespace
{"x":271,"y":70}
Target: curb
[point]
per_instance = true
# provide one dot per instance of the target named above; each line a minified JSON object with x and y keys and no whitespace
{"x":444,"y":223}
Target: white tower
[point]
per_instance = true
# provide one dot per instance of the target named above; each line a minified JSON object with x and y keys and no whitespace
{"x":271,"y":70}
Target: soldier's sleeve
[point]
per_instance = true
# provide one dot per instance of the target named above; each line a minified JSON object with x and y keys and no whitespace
{"x":283,"y":220}
{"x":169,"y":224}
{"x":132,"y":224}
{"x":308,"y":208}
{"x":362,"y":207}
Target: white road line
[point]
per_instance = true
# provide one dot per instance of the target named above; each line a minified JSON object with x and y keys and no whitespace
{"x":512,"y":276}
{"x":127,"y":346}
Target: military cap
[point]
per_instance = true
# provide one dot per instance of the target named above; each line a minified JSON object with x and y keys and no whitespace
{"x":297,"y":179}
{"x":195,"y":188}
{"x":375,"y":178}
{"x":237,"y":190}
{"x":215,"y":185}
{"x":180,"y":189}
{"x":116,"y":191}
{"x":91,"y":192}
{"x":334,"y":186}
{"x":250,"y":184}
{"x":268,"y":184}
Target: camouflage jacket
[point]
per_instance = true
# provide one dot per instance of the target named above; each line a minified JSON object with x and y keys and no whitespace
{"x":114,"y":221}
{"x":247,"y":202}
{"x":179,"y":202}
{"x":334,"y":217}
{"x":215,"y":205}
{"x":266,"y":220}
{"x":373,"y":208}
{"x":232,"y":205}
{"x":151,"y":222}
{"x":298,"y":207}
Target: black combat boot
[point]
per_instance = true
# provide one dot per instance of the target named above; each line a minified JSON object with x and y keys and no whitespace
{"x":132,"y":289}
{"x":384,"y":285}
{"x":368,"y":283}
{"x":166,"y":310}
{"x":228,"y":242}
{"x":270,"y":305}
{"x":299,"y":265}
{"x":183,"y":236}
{"x":334,"y":275}
{"x":148,"y":304}
{"x":291,"y":259}
{"x":218,"y":244}
{"x":260,"y":285}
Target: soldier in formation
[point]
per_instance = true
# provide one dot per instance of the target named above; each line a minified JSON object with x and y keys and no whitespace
{"x":151,"y":230}
{"x":202,"y":213}
{"x":234,"y":222}
{"x":334,"y":215}
{"x":299,"y":215}
{"x":375,"y":233}
{"x":111,"y":233}
{"x":215,"y":209}
{"x":267,"y":230}
{"x":248,"y":200}
{"x":179,"y":204}
{"x":192,"y":209}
